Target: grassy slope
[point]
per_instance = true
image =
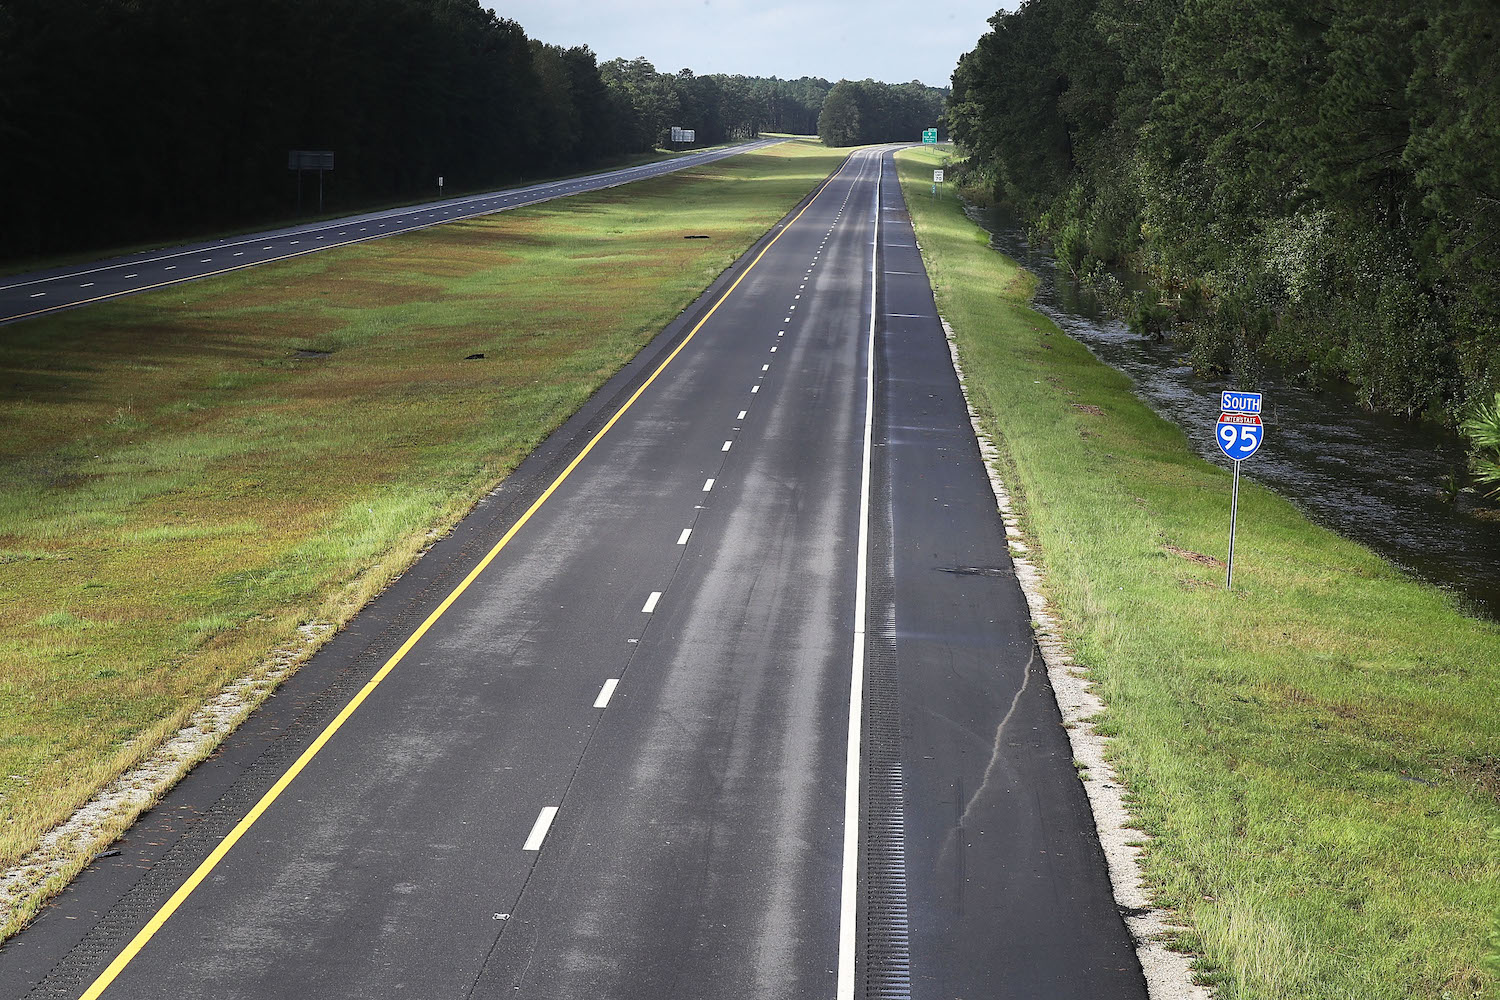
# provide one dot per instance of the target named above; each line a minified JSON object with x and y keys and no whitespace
{"x":1317,"y":754}
{"x":180,"y":489}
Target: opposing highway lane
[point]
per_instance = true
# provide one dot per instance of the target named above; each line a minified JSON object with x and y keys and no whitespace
{"x":727,"y":692}
{"x":37,"y":293}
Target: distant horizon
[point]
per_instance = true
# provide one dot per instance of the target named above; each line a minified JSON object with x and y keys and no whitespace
{"x":831,"y":39}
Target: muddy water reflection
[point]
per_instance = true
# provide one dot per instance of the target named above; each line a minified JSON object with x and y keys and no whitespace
{"x":1372,"y":478}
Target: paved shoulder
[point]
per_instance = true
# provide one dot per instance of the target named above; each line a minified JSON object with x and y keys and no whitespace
{"x":1005,"y":885}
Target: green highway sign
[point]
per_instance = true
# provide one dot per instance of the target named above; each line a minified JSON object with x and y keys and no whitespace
{"x":929,"y":135}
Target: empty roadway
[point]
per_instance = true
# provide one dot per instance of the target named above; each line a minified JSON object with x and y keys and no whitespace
{"x":615,"y":763}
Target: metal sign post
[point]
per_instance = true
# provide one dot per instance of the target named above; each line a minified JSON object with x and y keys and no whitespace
{"x":299,"y":160}
{"x":1239,"y":434}
{"x":1234,"y":516}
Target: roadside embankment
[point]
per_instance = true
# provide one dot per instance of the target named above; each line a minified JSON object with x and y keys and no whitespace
{"x":1315,"y":756}
{"x":200,"y":481}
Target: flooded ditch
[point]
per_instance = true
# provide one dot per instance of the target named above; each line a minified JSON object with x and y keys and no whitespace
{"x":1373,"y":478}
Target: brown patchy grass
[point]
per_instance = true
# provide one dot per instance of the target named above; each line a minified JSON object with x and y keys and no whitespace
{"x":181,"y":490}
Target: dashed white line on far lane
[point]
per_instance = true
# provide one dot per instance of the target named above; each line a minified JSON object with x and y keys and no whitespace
{"x":651,"y":602}
{"x":539,"y":829}
{"x":606,"y":692}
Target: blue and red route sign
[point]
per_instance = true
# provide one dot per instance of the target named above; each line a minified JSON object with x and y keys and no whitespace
{"x":1240,"y":432}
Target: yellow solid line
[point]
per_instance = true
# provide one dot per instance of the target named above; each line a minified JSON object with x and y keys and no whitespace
{"x":186,"y":889}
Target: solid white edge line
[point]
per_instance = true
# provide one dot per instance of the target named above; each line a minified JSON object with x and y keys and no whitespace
{"x":849,"y":894}
{"x":605,"y":692}
{"x":539,"y":829}
{"x":651,"y":602}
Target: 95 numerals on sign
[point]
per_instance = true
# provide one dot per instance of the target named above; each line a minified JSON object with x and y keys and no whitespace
{"x":1239,"y":434}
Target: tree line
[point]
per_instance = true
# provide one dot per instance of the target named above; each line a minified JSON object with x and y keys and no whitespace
{"x":127,"y":120}
{"x":860,"y":112}
{"x":1312,"y":184}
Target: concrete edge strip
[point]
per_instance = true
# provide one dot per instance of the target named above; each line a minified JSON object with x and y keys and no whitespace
{"x":1169,"y":974}
{"x":72,"y":845}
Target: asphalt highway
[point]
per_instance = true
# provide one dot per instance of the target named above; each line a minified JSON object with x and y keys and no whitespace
{"x":40,"y":292}
{"x":597,"y":743}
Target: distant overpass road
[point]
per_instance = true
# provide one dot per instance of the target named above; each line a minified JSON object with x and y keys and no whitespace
{"x":597,"y":742}
{"x":52,"y":290}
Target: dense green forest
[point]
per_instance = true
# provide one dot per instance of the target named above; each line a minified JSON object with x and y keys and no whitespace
{"x":1313,"y":184}
{"x":864,"y":111}
{"x":125,"y":120}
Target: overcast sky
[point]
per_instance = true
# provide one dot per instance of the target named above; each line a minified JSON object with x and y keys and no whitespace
{"x":880,"y":39}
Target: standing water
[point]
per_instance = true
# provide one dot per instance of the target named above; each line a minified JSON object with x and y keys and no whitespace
{"x":1373,"y":478}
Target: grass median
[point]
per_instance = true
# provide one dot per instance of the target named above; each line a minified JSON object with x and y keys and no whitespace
{"x":191,"y":474}
{"x":1316,"y":755}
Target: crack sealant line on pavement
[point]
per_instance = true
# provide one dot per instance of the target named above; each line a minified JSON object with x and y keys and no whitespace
{"x":165,"y":912}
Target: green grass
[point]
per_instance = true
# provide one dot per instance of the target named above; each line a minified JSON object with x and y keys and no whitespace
{"x":1315,"y":755}
{"x":182,"y":488}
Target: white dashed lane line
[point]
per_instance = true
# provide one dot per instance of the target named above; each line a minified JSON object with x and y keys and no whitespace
{"x":650,"y":605}
{"x":539,"y":829}
{"x":726,"y":445}
{"x":682,"y":538}
{"x":708,"y":484}
{"x":605,"y":692}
